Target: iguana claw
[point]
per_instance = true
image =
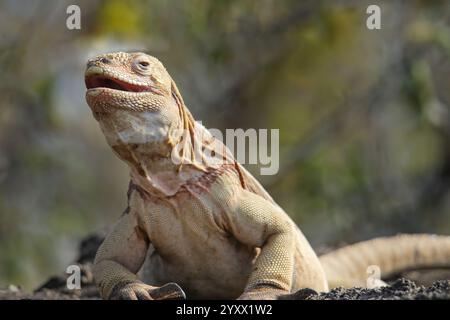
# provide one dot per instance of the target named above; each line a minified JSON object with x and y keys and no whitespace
{"x":141,"y":291}
{"x":169,"y":291}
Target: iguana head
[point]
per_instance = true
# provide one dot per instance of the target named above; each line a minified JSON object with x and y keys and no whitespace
{"x":140,"y":110}
{"x":127,"y":81}
{"x":134,"y":99}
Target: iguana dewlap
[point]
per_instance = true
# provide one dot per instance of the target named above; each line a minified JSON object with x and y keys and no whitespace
{"x":206,"y":225}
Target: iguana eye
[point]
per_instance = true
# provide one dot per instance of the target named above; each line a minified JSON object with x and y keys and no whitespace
{"x":142,"y":65}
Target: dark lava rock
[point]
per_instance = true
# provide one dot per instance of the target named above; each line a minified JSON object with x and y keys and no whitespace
{"x":401,"y":289}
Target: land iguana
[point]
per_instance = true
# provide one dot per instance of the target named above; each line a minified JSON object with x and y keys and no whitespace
{"x":203,"y":227}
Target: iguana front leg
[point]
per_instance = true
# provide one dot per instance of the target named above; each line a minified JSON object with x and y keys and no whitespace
{"x":118,"y":260}
{"x":256,"y":222}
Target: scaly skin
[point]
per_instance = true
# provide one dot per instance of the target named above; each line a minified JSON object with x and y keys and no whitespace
{"x":203,"y":225}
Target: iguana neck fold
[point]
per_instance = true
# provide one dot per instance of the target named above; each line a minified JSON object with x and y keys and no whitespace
{"x":144,"y":119}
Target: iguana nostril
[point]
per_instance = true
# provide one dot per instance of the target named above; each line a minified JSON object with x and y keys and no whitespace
{"x":105,"y":60}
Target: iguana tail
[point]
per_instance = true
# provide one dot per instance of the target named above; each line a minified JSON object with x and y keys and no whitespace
{"x":355,"y":265}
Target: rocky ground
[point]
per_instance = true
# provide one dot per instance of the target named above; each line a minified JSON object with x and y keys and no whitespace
{"x":420,"y":285}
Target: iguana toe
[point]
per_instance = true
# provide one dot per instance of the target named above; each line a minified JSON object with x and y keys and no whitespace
{"x":169,"y":291}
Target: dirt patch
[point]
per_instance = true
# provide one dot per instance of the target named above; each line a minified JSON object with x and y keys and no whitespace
{"x":400,"y":289}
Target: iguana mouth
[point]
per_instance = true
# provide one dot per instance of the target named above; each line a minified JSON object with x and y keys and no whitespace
{"x":98,"y":78}
{"x":96,"y":82}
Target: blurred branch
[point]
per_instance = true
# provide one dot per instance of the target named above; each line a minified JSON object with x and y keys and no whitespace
{"x":267,"y":55}
{"x":332,"y":122}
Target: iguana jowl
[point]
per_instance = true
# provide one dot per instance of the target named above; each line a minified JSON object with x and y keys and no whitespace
{"x":209,"y":227}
